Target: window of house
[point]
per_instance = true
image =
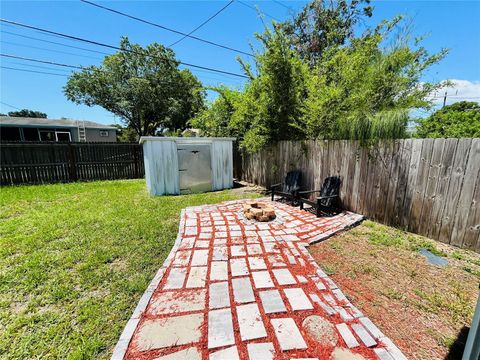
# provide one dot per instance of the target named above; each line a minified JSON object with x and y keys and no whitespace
{"x":47,"y":135}
{"x":8,"y":133}
{"x":63,"y":136}
{"x":104,"y":133}
{"x":30,"y":134}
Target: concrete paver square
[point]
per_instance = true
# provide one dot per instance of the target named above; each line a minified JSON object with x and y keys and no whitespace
{"x":272,"y":301}
{"x":220,"y":328}
{"x":262,"y":279}
{"x":288,"y":335}
{"x":250,"y":322}
{"x":197,"y":277}
{"x":172,"y":302}
{"x":169,"y":331}
{"x":260,"y":351}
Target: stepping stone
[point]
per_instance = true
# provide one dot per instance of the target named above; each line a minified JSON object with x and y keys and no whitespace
{"x":302,"y":279}
{"x":219,"y":270}
{"x":238,"y":267}
{"x":200,"y":257}
{"x":230,"y":353}
{"x":257,"y":263}
{"x":287,"y":333}
{"x":371,"y":327}
{"x":220,"y":253}
{"x":219,"y":296}
{"x":197,"y":277}
{"x":220,"y":328}
{"x":363,"y":335}
{"x":272,"y":301}
{"x":276,"y":260}
{"x":242,"y":290}
{"x":169,"y":331}
{"x":260,"y":351}
{"x":170,"y":302}
{"x":347,"y":335}
{"x":176,"y":278}
{"x":237,"y":250}
{"x":382,"y":354}
{"x":327,"y":308}
{"x":298,"y":299}
{"x":343,"y":313}
{"x":191,"y":353}
{"x":284,"y":276}
{"x":254,"y":249}
{"x":345,"y":354}
{"x":235,"y":233}
{"x":182,"y":258}
{"x":321,"y":330}
{"x":262,"y":279}
{"x":250,"y":322}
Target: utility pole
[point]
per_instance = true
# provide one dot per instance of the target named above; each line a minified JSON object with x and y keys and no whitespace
{"x":444,"y":99}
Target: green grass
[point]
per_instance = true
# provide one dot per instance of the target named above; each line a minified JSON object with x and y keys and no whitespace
{"x":75,"y":259}
{"x":389,"y":236}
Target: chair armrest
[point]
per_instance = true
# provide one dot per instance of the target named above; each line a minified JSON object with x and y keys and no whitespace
{"x":327,"y":197}
{"x":308,"y":192}
{"x":275,"y":185}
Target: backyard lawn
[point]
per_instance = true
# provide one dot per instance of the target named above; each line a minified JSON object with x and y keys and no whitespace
{"x":75,"y":259}
{"x":425,"y":309}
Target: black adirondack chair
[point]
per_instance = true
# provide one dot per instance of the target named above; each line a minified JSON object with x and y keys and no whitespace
{"x":328,"y":201}
{"x":289,"y":188}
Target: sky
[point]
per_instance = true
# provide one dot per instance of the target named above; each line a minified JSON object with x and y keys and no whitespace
{"x":445,"y":24}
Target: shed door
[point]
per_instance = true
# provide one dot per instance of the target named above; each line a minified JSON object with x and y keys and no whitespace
{"x":195,"y":168}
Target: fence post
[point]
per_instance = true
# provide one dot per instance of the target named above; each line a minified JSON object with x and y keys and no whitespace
{"x":72,"y":164}
{"x":135,"y":157}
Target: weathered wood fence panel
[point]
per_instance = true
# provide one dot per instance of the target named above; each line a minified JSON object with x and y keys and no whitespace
{"x":38,"y":163}
{"x":427,"y":186}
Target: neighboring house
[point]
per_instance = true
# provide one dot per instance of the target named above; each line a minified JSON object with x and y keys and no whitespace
{"x":38,"y":129}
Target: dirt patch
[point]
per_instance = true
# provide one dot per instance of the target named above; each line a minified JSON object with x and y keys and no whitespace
{"x":425,"y":309}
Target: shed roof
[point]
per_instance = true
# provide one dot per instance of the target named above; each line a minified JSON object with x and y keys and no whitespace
{"x":185,"y":139}
{"x":25,"y":121}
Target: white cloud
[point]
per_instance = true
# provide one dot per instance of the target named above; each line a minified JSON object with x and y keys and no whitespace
{"x":459,"y":91}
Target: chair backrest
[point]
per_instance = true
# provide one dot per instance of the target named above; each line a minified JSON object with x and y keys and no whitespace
{"x":292,"y":181}
{"x":331,"y":186}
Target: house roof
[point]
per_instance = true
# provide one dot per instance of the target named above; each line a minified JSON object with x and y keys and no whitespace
{"x":39,"y":122}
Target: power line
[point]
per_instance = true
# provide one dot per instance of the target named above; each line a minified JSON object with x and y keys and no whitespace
{"x":35,"y":66}
{"x":13,"y":107}
{"x":117,"y":48}
{"x":56,"y":43}
{"x":165,"y":28}
{"x":283,"y":5}
{"x":41,"y":61}
{"x":203,"y":23}
{"x":51,"y":50}
{"x":255,"y":9}
{"x":32,"y":71}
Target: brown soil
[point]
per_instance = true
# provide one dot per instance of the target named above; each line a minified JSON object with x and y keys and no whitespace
{"x":425,"y":309}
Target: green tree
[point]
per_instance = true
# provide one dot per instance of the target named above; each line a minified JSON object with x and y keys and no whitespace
{"x":28,"y":113}
{"x":270,"y":104}
{"x":142,"y":86}
{"x":461,"y":119}
{"x":364,"y":90}
{"x":323,"y":24}
{"x":125,"y":134}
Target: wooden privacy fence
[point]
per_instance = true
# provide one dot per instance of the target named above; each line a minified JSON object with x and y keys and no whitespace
{"x":37,"y":163}
{"x":427,"y":186}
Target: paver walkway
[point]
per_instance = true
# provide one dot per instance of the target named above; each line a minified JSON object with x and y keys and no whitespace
{"x":232,"y":288}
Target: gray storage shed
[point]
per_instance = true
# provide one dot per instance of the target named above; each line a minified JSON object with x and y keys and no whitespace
{"x":176,"y":165}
